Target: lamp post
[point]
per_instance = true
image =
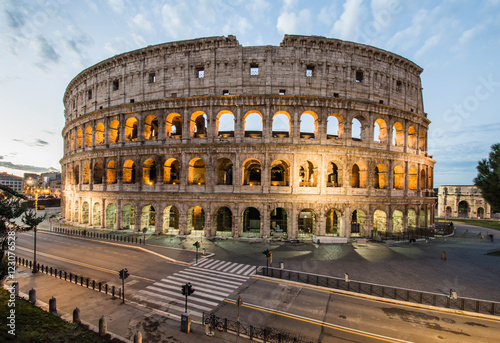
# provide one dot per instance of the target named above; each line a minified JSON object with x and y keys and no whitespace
{"x":35,"y":268}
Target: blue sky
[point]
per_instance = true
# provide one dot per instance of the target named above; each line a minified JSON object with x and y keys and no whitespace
{"x":44,"y":44}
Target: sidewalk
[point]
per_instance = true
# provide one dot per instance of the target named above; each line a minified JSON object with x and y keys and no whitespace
{"x":123,"y":320}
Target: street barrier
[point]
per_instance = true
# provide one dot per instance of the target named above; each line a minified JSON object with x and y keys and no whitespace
{"x":98,"y":235}
{"x":450,"y":301}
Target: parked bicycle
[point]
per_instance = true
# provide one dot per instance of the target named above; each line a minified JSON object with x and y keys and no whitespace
{"x":215,"y":322}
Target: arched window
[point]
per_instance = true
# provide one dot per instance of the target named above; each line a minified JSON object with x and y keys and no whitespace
{"x":412,"y":137}
{"x":171,"y":171}
{"x":99,"y":134}
{"x":422,"y":140}
{"x":423,"y":179}
{"x":171,"y":220}
{"x":98,"y":173}
{"x":380,"y":177}
{"x":412,"y":178}
{"x":380,"y":131}
{"x":356,"y":129}
{"x":223,"y":221}
{"x":86,"y":174}
{"x":129,"y":171}
{"x":111,"y":172}
{"x":253,"y":124}
{"x":114,"y":131}
{"x":333,"y":176}
{"x":281,"y":125}
{"x":307,"y":223}
{"x":131,"y":130}
{"x":398,"y":134}
{"x":399,"y":177}
{"x":333,"y":223}
{"x":149,"y":172}
{"x":252,"y":172}
{"x":308,"y":174}
{"x":308,"y":125}
{"x":173,"y":127}
{"x":225,"y":172}
{"x":280,"y":173}
{"x":225,"y":124}
{"x":151,"y":127}
{"x":251,"y":222}
{"x":196,"y":173}
{"x":198,"y":125}
{"x":359,"y":175}
{"x":334,"y":126}
{"x":79,"y":139}
{"x":379,"y":222}
{"x":88,"y":137}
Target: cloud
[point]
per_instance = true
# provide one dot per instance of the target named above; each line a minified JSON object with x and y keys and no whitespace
{"x":141,"y":22}
{"x":429,"y":43}
{"x":44,"y":50}
{"x":469,"y":34}
{"x":290,"y":22}
{"x":116,"y":5}
{"x":348,"y":23}
{"x":37,"y":142}
{"x":241,"y":29}
{"x":27,"y":168}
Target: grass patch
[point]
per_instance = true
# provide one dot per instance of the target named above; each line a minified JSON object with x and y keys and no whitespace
{"x":33,"y":324}
{"x":491,"y":224}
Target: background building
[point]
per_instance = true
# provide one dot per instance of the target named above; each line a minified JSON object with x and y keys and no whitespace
{"x":12,"y":181}
{"x":316,"y":136}
{"x":462,"y":202}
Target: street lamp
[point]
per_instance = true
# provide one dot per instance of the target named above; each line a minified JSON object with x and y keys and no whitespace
{"x":35,"y":268}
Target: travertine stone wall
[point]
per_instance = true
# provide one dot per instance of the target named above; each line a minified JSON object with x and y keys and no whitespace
{"x":183,"y":138}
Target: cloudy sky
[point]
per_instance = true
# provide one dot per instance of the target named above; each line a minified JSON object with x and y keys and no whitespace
{"x":45,"y":43}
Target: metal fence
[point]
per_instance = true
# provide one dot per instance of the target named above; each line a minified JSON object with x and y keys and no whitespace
{"x":81,"y":280}
{"x":411,"y":234}
{"x":451,"y":300}
{"x":265,"y":334}
{"x":99,"y":235}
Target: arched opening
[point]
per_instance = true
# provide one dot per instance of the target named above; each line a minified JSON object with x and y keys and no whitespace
{"x":76,"y":175}
{"x":225,"y":172}
{"x":279,"y":222}
{"x":307,"y":223}
{"x":151,"y":127}
{"x":281,"y":125}
{"x":253,"y":125}
{"x":399,"y":177}
{"x":397,"y":222}
{"x":171,"y":220}
{"x":129,"y":171}
{"x":333,"y":223}
{"x":280,"y":173}
{"x":198,"y":125}
{"x":412,"y":178}
{"x":480,"y":213}
{"x":225,"y":124}
{"x":99,"y":134}
{"x":98,"y":173}
{"x":333,"y":175}
{"x":79,"y":139}
{"x":85,"y":212}
{"x":359,"y":175}
{"x":448,"y":211}
{"x":131,"y":130}
{"x":196,"y":173}
{"x":88,"y":137}
{"x":358,"y":223}
{"x":380,"y":131}
{"x":114,"y":131}
{"x":380,"y":177}
{"x":111,"y":172}
{"x":196,"y":221}
{"x":308,"y":174}
{"x":252,"y":172}
{"x":72,"y":141}
{"x":422,"y":140}
{"x":148,"y":218}
{"x":149,"y":172}
{"x":423,"y":179}
{"x":379,"y":223}
{"x":308,"y":125}
{"x":422,"y":218}
{"x":68,"y":209}
{"x":251,"y":222}
{"x":398,"y":134}
{"x":463,"y":209}
{"x":171,"y":172}
{"x":173,"y":127}
{"x":86,"y":174}
{"x":412,"y":137}
{"x":76,"y":212}
{"x":128,"y":217}
{"x":412,"y":218}
{"x":356,"y":129}
{"x":334,"y":126}
{"x":111,"y":217}
{"x":223,"y":222}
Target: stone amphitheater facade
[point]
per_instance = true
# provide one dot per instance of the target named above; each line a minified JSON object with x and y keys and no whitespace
{"x":315,"y":138}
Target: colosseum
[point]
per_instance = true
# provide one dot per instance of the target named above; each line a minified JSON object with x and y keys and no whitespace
{"x":316,"y":138}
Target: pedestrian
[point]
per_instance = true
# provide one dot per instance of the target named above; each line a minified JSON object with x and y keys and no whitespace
{"x":443,"y":255}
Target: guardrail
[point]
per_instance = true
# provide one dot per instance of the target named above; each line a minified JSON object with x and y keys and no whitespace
{"x":99,"y":235}
{"x":264,"y":334}
{"x":81,"y":280}
{"x":451,"y":301}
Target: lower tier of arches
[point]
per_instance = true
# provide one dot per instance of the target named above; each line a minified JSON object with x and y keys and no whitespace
{"x":252,"y":217}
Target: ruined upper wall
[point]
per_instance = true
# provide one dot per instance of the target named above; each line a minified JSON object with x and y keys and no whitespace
{"x":301,"y":65}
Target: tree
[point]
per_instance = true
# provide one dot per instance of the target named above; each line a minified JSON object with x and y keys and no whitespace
{"x":11,"y":209}
{"x":488,"y":177}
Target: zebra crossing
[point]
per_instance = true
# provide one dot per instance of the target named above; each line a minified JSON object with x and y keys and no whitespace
{"x":213,"y":281}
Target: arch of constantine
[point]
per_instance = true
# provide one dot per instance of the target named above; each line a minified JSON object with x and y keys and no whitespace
{"x":315,"y":137}
{"x":462,"y":202}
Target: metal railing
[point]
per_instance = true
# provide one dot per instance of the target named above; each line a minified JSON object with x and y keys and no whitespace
{"x":99,"y":235}
{"x":265,"y":334}
{"x":450,"y":301}
{"x":411,"y":234}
